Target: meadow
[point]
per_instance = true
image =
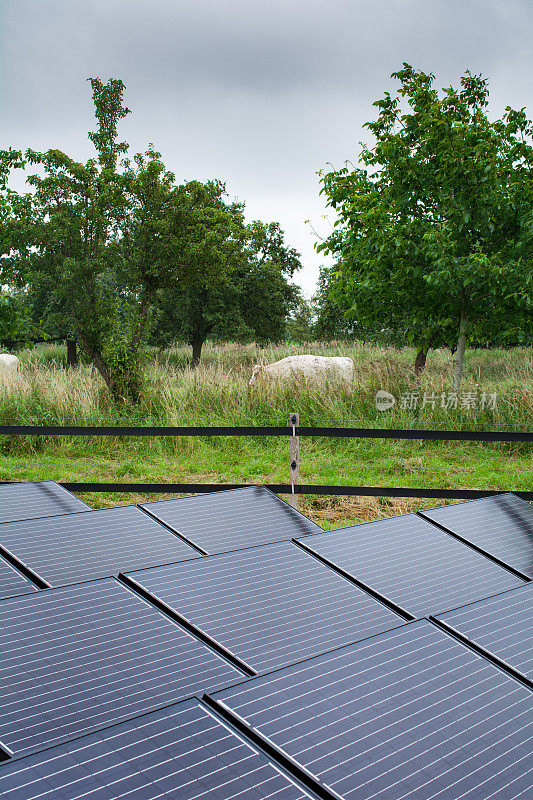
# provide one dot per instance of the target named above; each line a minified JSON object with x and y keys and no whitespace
{"x":218,"y":393}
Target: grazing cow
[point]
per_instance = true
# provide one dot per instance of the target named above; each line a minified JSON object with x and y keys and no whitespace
{"x":9,"y":362}
{"x":309,"y":367}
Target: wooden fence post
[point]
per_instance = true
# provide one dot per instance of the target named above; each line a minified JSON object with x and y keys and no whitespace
{"x":294,"y":459}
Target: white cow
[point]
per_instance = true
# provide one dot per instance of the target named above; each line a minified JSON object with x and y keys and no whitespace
{"x":309,"y":367}
{"x":9,"y":362}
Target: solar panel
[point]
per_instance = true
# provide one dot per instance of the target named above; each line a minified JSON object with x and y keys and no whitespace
{"x":79,"y":658}
{"x":80,"y":547}
{"x":179,"y":752}
{"x":12,"y":582}
{"x":229,"y":520}
{"x":269,"y":606}
{"x":501,"y":526}
{"x":412,"y":563}
{"x":501,"y":625}
{"x":410,"y":713}
{"x":39,"y":499}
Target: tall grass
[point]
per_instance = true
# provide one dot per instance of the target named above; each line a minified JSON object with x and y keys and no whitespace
{"x":218,"y":392}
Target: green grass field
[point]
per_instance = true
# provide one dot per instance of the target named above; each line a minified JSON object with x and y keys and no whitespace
{"x":218,"y":393}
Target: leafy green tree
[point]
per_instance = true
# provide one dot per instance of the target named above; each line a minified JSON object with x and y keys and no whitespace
{"x":434,"y":229}
{"x":333,"y":317}
{"x":301,"y":326}
{"x":250,"y":300}
{"x":101,"y":239}
{"x":16,"y":325}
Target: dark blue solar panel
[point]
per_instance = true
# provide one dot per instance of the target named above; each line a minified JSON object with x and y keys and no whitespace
{"x":410,"y":713}
{"x":501,"y":625}
{"x":181,"y":752}
{"x":269,"y":606}
{"x":501,"y":526}
{"x":38,"y":499}
{"x":12,"y":582}
{"x":413,"y":563}
{"x":224,"y":521}
{"x":81,"y":547}
{"x":82,"y":657}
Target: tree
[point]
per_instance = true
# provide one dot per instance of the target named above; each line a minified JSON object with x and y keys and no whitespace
{"x":251,"y":300}
{"x":101,"y":239}
{"x":434,"y":229}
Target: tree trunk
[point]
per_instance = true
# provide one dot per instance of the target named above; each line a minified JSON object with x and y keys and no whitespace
{"x":459,"y":353}
{"x":420,"y":362}
{"x":72,"y":353}
{"x":197,"y":343}
{"x":97,"y":360}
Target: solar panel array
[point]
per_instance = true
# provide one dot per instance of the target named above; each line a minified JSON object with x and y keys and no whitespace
{"x":180,"y":752}
{"x":501,"y":625}
{"x":13,"y":582}
{"x":86,"y":656}
{"x":81,"y":547}
{"x":501,"y":526}
{"x":228,"y":520}
{"x":283,"y":665}
{"x":418,"y":567}
{"x":268,"y":606}
{"x":39,"y":499}
{"x":408,"y":713}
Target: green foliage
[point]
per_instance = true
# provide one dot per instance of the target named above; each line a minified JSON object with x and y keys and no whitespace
{"x":301,"y":326}
{"x":109,"y":249}
{"x":126,"y":364}
{"x":435,"y":227}
{"x":16,"y":324}
{"x":250,"y":297}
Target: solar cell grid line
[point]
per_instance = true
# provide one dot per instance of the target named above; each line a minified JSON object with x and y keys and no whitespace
{"x":500,"y":526}
{"x":234,"y":519}
{"x":501,"y":626}
{"x":407,"y":713}
{"x":412,"y":563}
{"x":13,"y":582}
{"x":81,"y":547}
{"x":180,"y":751}
{"x":38,"y":499}
{"x":269,"y":606}
{"x":81,"y":657}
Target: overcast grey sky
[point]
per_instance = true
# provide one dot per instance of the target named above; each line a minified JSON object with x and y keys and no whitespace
{"x":258,"y":94}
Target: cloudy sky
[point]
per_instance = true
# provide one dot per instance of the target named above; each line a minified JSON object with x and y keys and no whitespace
{"x":261,"y":94}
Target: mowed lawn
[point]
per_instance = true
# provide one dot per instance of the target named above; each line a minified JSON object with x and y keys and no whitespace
{"x":218,"y":393}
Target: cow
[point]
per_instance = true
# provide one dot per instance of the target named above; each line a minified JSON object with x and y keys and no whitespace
{"x":308,"y":367}
{"x":9,"y":362}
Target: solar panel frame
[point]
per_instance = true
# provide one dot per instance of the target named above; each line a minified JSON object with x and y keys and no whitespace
{"x":267,"y":606}
{"x":84,"y":657}
{"x":165,"y":511}
{"x":390,"y":557}
{"x":412,"y":712}
{"x":74,"y":548}
{"x":13,"y":582}
{"x":51,"y":496}
{"x":467,"y":623}
{"x":437,"y":516}
{"x":145,"y":752}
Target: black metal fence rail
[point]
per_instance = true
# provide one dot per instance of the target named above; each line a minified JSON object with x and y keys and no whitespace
{"x":243,"y":430}
{"x":299,"y":489}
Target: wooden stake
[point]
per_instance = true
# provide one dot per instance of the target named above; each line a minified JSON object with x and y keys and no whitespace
{"x":294,"y":460}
